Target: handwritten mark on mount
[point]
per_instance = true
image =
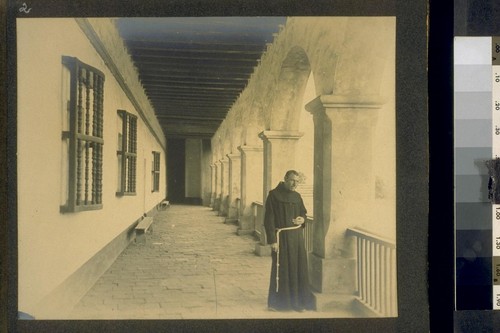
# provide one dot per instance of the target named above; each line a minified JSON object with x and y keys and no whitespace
{"x":24,"y":8}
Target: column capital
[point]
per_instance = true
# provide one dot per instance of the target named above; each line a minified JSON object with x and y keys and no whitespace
{"x":217,"y":163}
{"x":224,"y":160}
{"x":324,"y":102}
{"x":246,"y":148}
{"x":233,"y":157}
{"x":280,"y":135}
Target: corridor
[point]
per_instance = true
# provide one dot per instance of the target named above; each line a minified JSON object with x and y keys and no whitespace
{"x":192,"y":266}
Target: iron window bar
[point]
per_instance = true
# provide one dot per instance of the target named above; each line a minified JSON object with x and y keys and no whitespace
{"x":84,"y":137}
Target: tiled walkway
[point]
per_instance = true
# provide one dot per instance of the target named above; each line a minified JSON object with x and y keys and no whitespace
{"x":192,"y":266}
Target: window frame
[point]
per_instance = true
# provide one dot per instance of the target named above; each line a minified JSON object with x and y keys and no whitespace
{"x":82,"y":131}
{"x":155,"y":172}
{"x":128,"y":154}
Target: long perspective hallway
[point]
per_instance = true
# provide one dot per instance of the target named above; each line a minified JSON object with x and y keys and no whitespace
{"x":192,"y":266}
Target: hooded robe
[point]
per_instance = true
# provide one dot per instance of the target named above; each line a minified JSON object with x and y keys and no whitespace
{"x":283,"y":205}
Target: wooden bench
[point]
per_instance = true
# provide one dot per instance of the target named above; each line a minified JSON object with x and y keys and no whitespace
{"x":164,"y":205}
{"x":142,"y":227}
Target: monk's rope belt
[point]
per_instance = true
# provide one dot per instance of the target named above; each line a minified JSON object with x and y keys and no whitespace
{"x":278,"y":230}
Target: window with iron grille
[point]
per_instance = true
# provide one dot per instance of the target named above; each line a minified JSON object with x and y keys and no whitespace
{"x":127,"y":154}
{"x":84,"y":136}
{"x":156,"y":172}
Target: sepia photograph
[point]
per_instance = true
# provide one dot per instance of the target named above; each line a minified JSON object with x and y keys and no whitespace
{"x":206,"y":167}
{"x":228,"y":166}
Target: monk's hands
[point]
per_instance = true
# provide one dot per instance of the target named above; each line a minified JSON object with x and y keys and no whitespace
{"x":274,"y":247}
{"x":298,"y":221}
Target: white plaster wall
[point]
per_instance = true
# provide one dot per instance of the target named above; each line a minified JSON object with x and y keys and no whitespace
{"x":53,"y":245}
{"x":384,"y":154}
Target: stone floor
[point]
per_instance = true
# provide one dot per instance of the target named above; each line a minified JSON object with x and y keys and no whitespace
{"x":192,"y":266}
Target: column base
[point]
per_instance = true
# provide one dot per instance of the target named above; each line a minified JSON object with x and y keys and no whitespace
{"x":245,"y":225}
{"x":232,"y":212}
{"x":262,"y":250}
{"x":334,"y":302}
{"x":229,"y":220}
{"x":223,"y":206}
{"x":336,"y":275}
{"x":216,"y":206}
{"x":242,"y":232}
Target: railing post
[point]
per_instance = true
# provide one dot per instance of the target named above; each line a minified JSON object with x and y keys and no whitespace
{"x":261,"y":248}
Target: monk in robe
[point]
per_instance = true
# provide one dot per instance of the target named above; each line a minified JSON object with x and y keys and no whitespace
{"x":285,"y":209}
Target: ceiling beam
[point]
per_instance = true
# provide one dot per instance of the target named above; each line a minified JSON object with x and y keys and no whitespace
{"x":192,"y":96}
{"x":136,"y":51}
{"x":204,"y":106}
{"x":222,"y":109}
{"x":194,"y":67}
{"x":187,"y":111}
{"x":195,"y":46}
{"x":192,"y":112}
{"x":206,"y":136}
{"x":166,"y":106}
{"x":199,"y":129}
{"x":183,"y":117}
{"x":179,"y":87}
{"x":188,"y":57}
{"x":229,"y":40}
{"x":195,"y":81}
{"x":205,"y":78}
{"x":223,"y":71}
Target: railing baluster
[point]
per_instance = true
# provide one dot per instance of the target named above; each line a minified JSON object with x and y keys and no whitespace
{"x":394,"y":301}
{"x":308,"y":234}
{"x":389,"y":279}
{"x":254,"y":214}
{"x":370,"y":272}
{"x":387,"y":285}
{"x":367,"y":269}
{"x":383,"y":280}
{"x":359,"y":263}
{"x":380,"y":278}
{"x":373,"y":275}
{"x":377,"y":277}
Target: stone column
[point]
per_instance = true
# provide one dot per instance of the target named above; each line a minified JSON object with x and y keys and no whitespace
{"x":224,"y":183}
{"x":217,"y":181}
{"x":279,"y":157}
{"x":252,"y":168}
{"x":343,"y":185}
{"x":213,"y":173}
{"x":234,"y":187}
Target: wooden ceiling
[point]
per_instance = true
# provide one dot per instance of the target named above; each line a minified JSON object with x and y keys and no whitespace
{"x":194,"y":68}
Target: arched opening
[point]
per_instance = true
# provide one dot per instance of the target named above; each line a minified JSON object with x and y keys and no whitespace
{"x":287,"y":102}
{"x":304,"y":159}
{"x":280,"y":140}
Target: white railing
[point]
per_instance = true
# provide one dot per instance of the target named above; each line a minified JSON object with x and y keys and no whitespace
{"x":258,"y":226}
{"x":376,"y":272}
{"x":258,"y":221}
{"x":308,"y":233}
